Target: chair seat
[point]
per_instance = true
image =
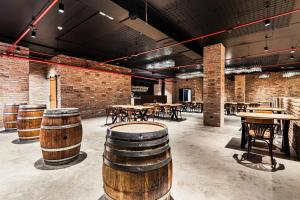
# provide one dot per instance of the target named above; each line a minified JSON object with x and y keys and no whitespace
{"x":267,"y":134}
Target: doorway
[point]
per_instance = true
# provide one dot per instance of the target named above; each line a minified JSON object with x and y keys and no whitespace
{"x":53,"y":92}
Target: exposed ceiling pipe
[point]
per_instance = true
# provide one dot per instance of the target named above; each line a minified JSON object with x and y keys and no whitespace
{"x":206,"y":35}
{"x":234,"y":58}
{"x":32,"y":24}
{"x":78,"y":67}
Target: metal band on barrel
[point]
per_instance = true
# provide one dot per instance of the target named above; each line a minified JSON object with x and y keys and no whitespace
{"x":31,"y":110}
{"x":137,"y":154}
{"x":61,"y":160}
{"x":138,"y":144}
{"x":61,"y":115}
{"x":62,"y":149}
{"x":30,"y":118}
{"x":164,"y":197}
{"x":32,"y":137}
{"x":131,"y":168}
{"x":137,"y":136}
{"x":62,"y":126}
{"x":11,"y":122}
{"x":26,"y":130}
{"x":10,"y":113}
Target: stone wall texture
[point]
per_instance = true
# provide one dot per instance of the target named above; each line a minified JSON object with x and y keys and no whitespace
{"x":265,"y":89}
{"x":14,"y":82}
{"x":39,"y":85}
{"x":214,"y":85}
{"x":195,"y":84}
{"x":239,"y":88}
{"x":292,"y":105}
{"x":89,"y":90}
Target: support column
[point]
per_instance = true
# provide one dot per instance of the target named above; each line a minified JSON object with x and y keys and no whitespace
{"x":239,"y":88}
{"x":158,"y":88}
{"x":213,"y":85}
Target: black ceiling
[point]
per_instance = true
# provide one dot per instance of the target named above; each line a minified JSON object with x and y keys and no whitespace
{"x":89,"y":35}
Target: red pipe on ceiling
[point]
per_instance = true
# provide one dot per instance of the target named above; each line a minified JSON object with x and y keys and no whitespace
{"x":78,"y":67}
{"x":33,"y":23}
{"x":207,"y":35}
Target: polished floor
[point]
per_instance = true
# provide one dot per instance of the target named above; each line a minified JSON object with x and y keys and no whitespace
{"x":207,"y":165}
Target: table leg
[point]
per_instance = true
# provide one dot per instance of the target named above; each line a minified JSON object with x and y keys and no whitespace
{"x":285,"y":138}
{"x":174,"y":114}
{"x":243,"y":137}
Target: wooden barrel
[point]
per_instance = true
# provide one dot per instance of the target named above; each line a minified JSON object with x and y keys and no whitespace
{"x":10,"y":113}
{"x":61,"y":135}
{"x":137,"y":162}
{"x":29,"y":121}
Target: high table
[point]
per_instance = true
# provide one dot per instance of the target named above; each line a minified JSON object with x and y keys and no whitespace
{"x":173,"y":109}
{"x":277,"y":110}
{"x":286,"y":124}
{"x":140,"y":110}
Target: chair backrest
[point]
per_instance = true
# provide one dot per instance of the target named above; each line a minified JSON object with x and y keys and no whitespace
{"x":259,"y":127}
{"x":264,"y":111}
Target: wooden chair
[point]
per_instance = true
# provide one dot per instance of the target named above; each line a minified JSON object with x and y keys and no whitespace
{"x":260,"y":129}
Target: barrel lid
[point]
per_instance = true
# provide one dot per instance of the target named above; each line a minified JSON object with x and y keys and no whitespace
{"x":137,"y":130}
{"x":57,"y":111}
{"x":33,"y":106}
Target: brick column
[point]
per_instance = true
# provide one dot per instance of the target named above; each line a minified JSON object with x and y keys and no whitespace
{"x":239,"y":88}
{"x":213,"y":85}
{"x":157,"y":88}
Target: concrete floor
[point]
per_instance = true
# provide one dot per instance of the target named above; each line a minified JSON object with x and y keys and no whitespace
{"x":203,"y":167}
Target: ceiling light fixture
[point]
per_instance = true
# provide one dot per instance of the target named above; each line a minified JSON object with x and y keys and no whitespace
{"x":292,"y":50}
{"x":33,"y":33}
{"x":61,"y":8}
{"x":106,"y":15}
{"x":59,"y":28}
{"x":267,"y":22}
{"x":266,"y":47}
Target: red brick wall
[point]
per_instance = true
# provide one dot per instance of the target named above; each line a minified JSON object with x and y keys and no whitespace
{"x":265,"y":89}
{"x":14,"y":81}
{"x":239,"y":88}
{"x":196,"y":84}
{"x":91,"y":91}
{"x":39,"y":85}
{"x":229,"y":89}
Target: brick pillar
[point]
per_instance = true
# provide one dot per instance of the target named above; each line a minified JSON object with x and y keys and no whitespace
{"x":213,"y":85}
{"x":157,"y":88}
{"x":239,"y":88}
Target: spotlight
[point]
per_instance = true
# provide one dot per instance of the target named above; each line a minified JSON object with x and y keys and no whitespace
{"x":266,"y":48}
{"x":59,"y":28}
{"x":18,"y":50}
{"x":267,"y":22}
{"x":33,"y":34}
{"x":61,"y":8}
{"x":292,"y":50}
{"x":292,"y":57}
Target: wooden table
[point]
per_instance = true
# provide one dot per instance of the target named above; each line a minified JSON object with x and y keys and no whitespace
{"x":141,"y":110}
{"x":278,"y":110}
{"x":173,"y":108}
{"x":286,"y":124}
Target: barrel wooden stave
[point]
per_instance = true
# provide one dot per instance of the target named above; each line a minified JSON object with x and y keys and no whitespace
{"x":120,"y":182}
{"x":29,"y":121}
{"x":60,"y":137}
{"x":10,"y":113}
{"x":143,"y":186}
